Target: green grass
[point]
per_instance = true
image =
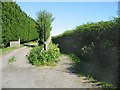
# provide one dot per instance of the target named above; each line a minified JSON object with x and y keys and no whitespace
{"x":74,"y":58}
{"x":32,"y":42}
{"x":11,"y":60}
{"x":5,"y":50}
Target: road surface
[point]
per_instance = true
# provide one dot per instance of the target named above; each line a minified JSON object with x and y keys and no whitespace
{"x":21,"y":74}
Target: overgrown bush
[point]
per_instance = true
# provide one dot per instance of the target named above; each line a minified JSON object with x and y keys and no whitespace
{"x":39,"y":57}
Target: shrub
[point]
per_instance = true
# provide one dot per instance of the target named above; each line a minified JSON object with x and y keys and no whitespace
{"x":39,"y":57}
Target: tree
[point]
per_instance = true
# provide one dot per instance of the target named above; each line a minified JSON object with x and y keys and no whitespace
{"x":44,"y":20}
{"x":119,"y":9}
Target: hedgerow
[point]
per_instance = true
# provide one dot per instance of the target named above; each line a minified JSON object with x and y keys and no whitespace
{"x":96,"y":44}
{"x":17,"y":24}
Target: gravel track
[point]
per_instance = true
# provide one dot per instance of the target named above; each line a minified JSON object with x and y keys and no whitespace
{"x":21,"y":74}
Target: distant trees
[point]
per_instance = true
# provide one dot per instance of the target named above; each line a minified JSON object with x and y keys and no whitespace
{"x":44,"y":19}
{"x":16,"y":24}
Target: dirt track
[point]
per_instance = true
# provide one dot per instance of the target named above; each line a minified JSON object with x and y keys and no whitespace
{"x":21,"y":74}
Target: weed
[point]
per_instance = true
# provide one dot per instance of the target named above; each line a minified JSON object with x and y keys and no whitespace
{"x":74,"y":58}
{"x":11,"y":60}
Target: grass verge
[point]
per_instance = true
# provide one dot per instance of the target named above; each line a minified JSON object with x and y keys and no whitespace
{"x":5,"y":50}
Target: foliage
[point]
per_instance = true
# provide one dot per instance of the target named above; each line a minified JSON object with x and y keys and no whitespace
{"x":44,"y":17}
{"x":104,"y":85}
{"x":39,"y":57}
{"x":74,"y":58}
{"x":1,"y":44}
{"x":11,"y":60}
{"x":16,"y":24}
{"x":108,"y":86}
{"x":96,"y":44}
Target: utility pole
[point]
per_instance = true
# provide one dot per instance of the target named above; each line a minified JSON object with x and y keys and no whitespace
{"x":44,"y":31}
{"x":44,"y":36}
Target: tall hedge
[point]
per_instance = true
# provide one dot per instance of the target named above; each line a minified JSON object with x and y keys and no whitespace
{"x":96,"y":44}
{"x":17,"y":24}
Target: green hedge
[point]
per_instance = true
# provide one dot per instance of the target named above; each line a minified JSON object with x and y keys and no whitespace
{"x":16,"y":24}
{"x":96,"y":44}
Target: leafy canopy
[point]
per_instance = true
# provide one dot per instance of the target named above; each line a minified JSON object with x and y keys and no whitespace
{"x":44,"y":17}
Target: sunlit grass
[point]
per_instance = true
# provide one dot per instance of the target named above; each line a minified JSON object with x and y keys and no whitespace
{"x":5,"y":50}
{"x":32,"y":43}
